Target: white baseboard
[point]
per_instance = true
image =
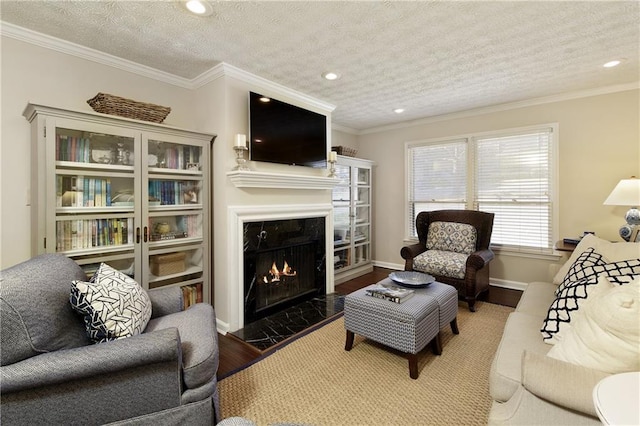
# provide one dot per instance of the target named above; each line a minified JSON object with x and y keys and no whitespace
{"x":222,"y":327}
{"x":512,"y":285}
{"x":388,"y":265}
{"x":342,"y":276}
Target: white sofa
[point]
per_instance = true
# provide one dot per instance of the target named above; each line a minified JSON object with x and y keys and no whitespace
{"x":529,"y":387}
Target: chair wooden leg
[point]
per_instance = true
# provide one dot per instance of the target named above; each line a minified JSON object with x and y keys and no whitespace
{"x":349,"y":343}
{"x":413,"y":366}
{"x":472,"y":303}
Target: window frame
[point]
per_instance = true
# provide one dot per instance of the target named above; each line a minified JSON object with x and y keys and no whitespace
{"x":471,"y":173}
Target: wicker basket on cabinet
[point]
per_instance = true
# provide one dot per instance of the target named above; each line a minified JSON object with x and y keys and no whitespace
{"x":123,"y":107}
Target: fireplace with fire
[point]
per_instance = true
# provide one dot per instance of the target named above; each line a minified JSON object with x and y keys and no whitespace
{"x":284,"y":264}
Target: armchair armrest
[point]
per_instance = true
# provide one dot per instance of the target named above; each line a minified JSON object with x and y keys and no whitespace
{"x":409,"y":252}
{"x":102,"y":359}
{"x":165,"y":301}
{"x":479,"y":259}
{"x":562,"y":383}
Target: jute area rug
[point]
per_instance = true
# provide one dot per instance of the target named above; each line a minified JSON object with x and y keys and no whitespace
{"x":314,"y":381}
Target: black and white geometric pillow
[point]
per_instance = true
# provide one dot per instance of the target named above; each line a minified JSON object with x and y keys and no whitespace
{"x":620,"y":268}
{"x":565,"y":304}
{"x":622,"y":279}
{"x":114,"y":305}
{"x":580,"y":269}
{"x":573,"y":294}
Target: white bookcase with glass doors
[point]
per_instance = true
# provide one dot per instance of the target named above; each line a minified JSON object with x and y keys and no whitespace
{"x":352,"y":218}
{"x":129,"y":193}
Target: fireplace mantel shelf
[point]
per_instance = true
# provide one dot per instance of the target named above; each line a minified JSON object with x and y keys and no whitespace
{"x":254,"y":179}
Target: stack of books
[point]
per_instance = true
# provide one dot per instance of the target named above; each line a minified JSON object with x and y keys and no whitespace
{"x":389,"y":292}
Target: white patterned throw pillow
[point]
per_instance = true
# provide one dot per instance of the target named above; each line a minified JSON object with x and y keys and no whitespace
{"x":113,"y":304}
{"x":580,"y":282}
{"x":606,"y":336}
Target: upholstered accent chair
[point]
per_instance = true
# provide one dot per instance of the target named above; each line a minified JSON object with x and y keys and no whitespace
{"x":51,"y":373}
{"x":453,"y":247}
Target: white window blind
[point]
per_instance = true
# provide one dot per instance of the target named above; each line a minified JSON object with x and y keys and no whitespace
{"x":513,"y":179}
{"x":437,"y":178}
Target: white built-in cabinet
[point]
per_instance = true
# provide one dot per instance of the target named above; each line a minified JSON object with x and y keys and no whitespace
{"x":129,"y":193}
{"x":352,"y":218}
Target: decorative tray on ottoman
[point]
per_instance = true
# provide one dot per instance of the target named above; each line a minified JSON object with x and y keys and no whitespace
{"x":411,"y":279}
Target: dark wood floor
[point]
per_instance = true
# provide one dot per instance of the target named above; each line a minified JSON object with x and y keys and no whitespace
{"x":234,"y":353}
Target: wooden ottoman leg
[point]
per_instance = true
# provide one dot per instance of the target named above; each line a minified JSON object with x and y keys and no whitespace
{"x":413,"y":366}
{"x":349,"y":343}
{"x":436,"y":344}
{"x":454,"y":326}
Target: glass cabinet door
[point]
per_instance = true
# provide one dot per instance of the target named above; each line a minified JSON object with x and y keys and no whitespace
{"x":94,"y":193}
{"x":352,"y":215}
{"x":175,"y":195}
{"x":342,"y":212}
{"x":362,"y":215}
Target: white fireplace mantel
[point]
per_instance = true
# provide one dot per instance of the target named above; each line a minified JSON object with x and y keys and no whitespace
{"x":255,"y":179}
{"x":238,"y":216}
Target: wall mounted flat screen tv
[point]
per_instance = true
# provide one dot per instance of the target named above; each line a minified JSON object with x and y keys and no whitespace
{"x":286,"y":134}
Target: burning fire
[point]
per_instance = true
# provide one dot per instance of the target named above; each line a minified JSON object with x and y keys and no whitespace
{"x":275,"y":274}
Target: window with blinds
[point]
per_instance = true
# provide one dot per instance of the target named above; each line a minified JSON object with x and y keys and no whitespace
{"x":437,"y":178}
{"x":509,"y":174}
{"x":513,"y":179}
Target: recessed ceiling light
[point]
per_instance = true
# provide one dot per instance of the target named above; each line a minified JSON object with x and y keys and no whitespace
{"x":264,"y":99}
{"x":331,"y":75}
{"x":612,"y":64}
{"x":199,"y":7}
{"x":398,"y":110}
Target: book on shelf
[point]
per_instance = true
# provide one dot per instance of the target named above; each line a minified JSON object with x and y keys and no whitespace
{"x":81,"y":191}
{"x":390,"y":292}
{"x":191,"y":294}
{"x":77,"y":234}
{"x":73,"y":148}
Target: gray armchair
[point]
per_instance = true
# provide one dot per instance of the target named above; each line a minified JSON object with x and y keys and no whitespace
{"x":52,"y":374}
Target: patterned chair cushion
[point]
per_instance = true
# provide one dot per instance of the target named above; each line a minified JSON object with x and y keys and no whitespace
{"x":113,"y":304}
{"x":452,"y":236}
{"x":446,"y":263}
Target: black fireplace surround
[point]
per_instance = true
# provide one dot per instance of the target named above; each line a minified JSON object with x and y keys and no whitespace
{"x":284,"y":264}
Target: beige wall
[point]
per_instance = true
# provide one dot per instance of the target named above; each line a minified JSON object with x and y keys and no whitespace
{"x":599,"y":144}
{"x":32,"y":73}
{"x":227,"y":99}
{"x":342,"y":138}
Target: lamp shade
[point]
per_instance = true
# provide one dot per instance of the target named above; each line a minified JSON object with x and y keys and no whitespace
{"x":626,"y":193}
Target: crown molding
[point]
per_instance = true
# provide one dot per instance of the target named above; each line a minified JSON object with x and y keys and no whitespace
{"x":220,"y":70}
{"x":345,"y":129}
{"x":505,"y":107}
{"x":226,"y":70}
{"x":69,"y":48}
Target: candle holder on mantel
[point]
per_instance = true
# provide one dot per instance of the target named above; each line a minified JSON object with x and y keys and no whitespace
{"x":242,"y":163}
{"x":332,"y":169}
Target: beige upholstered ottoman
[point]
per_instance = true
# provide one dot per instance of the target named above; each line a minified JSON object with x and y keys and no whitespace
{"x":408,"y":326}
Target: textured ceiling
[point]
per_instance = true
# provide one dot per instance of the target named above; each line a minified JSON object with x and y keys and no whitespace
{"x":430,"y":58}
